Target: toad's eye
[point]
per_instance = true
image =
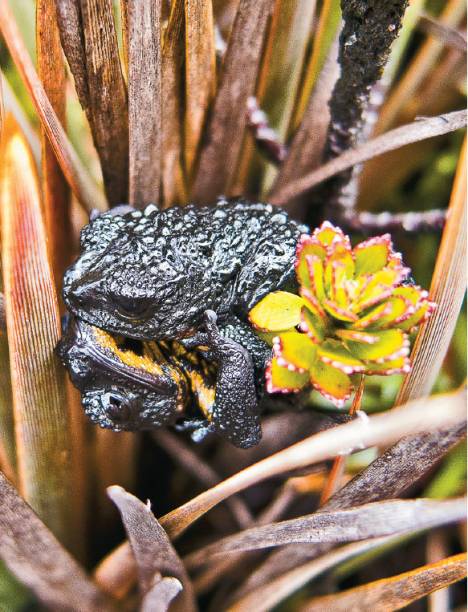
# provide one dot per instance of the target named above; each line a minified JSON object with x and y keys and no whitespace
{"x":131,"y":308}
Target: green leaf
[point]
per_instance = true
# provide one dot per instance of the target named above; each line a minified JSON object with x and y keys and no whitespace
{"x":372,"y":255}
{"x":295,"y":349}
{"x":386,"y":314}
{"x":334,"y":353}
{"x":283,"y":380}
{"x":332,"y":383}
{"x":307,"y":246}
{"x":277,"y":311}
{"x":390,"y":344}
{"x":312,"y":325}
{"x":401,"y":365}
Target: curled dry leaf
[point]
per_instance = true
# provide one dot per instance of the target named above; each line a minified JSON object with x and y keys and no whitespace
{"x":399,"y":137}
{"x":369,"y":521}
{"x":38,"y":560}
{"x":154,"y":554}
{"x":160,"y":595}
{"x":393,"y":593}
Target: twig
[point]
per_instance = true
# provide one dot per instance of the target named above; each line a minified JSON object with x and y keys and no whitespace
{"x":265,"y":137}
{"x":427,"y":220}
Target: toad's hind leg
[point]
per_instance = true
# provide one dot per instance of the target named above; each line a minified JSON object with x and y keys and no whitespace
{"x":235,"y":412}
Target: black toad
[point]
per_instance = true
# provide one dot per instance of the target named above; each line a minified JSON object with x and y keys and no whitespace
{"x":189,"y":275}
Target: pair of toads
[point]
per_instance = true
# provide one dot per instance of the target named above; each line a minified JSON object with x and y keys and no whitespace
{"x":158,"y":332}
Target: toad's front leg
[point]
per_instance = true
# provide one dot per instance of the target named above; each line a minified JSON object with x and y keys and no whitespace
{"x":235,"y":413}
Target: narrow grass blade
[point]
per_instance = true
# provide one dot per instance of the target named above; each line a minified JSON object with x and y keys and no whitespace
{"x":368,"y":521}
{"x":306,"y":150}
{"x":379,"y":430}
{"x":396,"y":592}
{"x":174,"y":189}
{"x":200,"y":72}
{"x":154,"y":553}
{"x":447,"y":290}
{"x":81,"y":183}
{"x":108,"y":111}
{"x":225,"y":132}
{"x":55,"y":191}
{"x":40,"y":562}
{"x":42,"y":418}
{"x":144,"y":101}
{"x":418,"y":70}
{"x":399,"y":137}
{"x":389,"y":476}
{"x":325,"y":33}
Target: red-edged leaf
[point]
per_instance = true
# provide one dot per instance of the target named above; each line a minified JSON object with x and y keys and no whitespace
{"x":294,"y":349}
{"x":332,"y":383}
{"x":284,"y":380}
{"x":372,"y":255}
{"x":277,"y":311}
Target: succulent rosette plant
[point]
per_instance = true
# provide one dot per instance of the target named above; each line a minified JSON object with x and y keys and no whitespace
{"x":353,"y":315}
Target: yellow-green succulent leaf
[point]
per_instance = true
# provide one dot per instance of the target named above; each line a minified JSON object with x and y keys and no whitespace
{"x":277,"y":311}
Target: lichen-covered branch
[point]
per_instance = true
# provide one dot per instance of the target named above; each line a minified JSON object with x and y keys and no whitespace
{"x":266,"y":139}
{"x":370,"y":27}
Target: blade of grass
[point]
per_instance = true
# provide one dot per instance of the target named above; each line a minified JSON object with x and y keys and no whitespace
{"x":55,"y":192}
{"x":368,"y":521}
{"x":306,"y":150}
{"x":225,"y":132}
{"x":39,"y":561}
{"x":174,"y":188}
{"x":396,"y":592}
{"x":108,"y":110}
{"x":42,"y":418}
{"x":379,"y":430}
{"x":389,"y":476}
{"x":200,"y":73}
{"x":326,"y":31}
{"x":144,"y":101}
{"x":154,"y":553}
{"x":399,"y":137}
{"x":82,"y":185}
{"x":278,"y":83}
{"x":447,"y":290}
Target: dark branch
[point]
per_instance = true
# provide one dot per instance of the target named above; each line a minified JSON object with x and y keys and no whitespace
{"x":428,"y":220}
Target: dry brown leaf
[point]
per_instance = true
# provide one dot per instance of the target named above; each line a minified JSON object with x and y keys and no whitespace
{"x":225,"y":132}
{"x":200,"y":72}
{"x":265,"y":597}
{"x":154,"y":554}
{"x":368,"y":521}
{"x":447,"y":291}
{"x":40,"y":562}
{"x":55,"y":191}
{"x":77,"y":176}
{"x":174,"y":189}
{"x":382,"y":429}
{"x":399,"y":137}
{"x":108,"y":111}
{"x":144,"y":101}
{"x":448,"y":35}
{"x":389,"y":476}
{"x":393,"y":593}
